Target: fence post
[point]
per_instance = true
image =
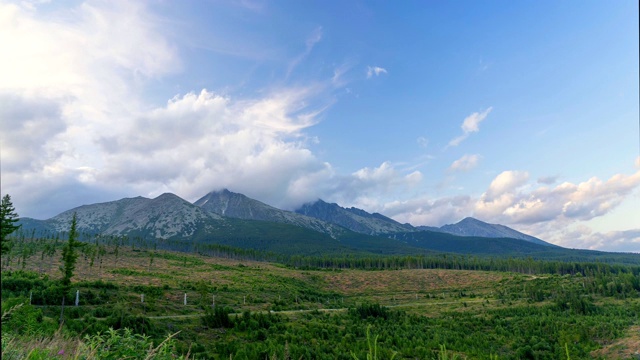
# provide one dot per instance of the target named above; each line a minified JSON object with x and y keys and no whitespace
{"x":77,"y":297}
{"x":185,"y":298}
{"x":142,"y":298}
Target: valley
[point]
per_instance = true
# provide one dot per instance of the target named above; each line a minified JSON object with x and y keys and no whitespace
{"x":230,"y":277}
{"x":282,"y":311}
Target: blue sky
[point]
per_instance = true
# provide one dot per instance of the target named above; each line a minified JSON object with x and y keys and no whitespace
{"x":523,"y":113}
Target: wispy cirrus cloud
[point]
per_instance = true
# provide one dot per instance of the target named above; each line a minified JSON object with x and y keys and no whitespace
{"x":375,"y":70}
{"x":311,"y":41}
{"x":465,"y":163}
{"x":471,"y":124}
{"x":78,"y":124}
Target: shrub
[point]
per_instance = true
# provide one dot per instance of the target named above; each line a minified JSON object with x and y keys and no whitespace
{"x":217,"y":318}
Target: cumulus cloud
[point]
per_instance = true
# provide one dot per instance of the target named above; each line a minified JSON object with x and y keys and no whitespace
{"x":551,"y":213}
{"x":506,"y":201}
{"x":431,"y":212}
{"x":470,"y":125}
{"x":547,"y":180}
{"x":70,"y":76}
{"x":375,"y":70}
{"x":366,"y":187}
{"x":199,"y":142}
{"x":465,"y":163}
{"x":580,"y":236}
{"x":621,"y":241}
{"x":74,"y":118}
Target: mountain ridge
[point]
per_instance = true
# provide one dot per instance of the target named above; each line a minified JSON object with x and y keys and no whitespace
{"x":352,"y":218}
{"x":470,"y":226}
{"x":235,"y":205}
{"x":318,"y":224}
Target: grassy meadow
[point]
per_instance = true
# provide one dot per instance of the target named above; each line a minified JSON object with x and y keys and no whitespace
{"x":243,"y":309}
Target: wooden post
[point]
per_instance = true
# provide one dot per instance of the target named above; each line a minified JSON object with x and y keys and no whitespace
{"x":62,"y":311}
{"x":185,"y":298}
{"x":142,"y":298}
{"x":77,"y":297}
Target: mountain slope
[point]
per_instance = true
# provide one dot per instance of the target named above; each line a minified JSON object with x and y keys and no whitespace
{"x":441,"y":241}
{"x":353,"y":219}
{"x":167,"y":216}
{"x":239,"y":206}
{"x":171,"y":218}
{"x":474,"y":227}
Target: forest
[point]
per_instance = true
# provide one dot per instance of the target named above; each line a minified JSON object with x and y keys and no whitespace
{"x":141,"y":299}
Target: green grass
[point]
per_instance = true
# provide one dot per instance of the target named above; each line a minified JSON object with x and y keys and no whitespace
{"x":281,"y":312}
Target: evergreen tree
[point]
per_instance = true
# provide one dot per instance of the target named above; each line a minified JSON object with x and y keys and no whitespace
{"x":70,"y":255}
{"x":9,"y":218}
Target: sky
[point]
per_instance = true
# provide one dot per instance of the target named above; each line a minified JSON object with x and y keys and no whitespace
{"x":522,"y":113}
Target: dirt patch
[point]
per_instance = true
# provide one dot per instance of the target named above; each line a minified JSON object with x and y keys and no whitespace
{"x":424,"y":280}
{"x":627,"y":347}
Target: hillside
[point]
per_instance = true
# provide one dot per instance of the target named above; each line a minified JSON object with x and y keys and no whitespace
{"x":353,"y":219}
{"x":228,"y":306}
{"x":234,"y":205}
{"x":474,"y":227}
{"x":231,"y":219}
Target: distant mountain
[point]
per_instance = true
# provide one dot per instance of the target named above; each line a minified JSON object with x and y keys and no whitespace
{"x":171,"y":218}
{"x":474,"y":227}
{"x":167,"y":216}
{"x":239,"y":206}
{"x":319,"y":228}
{"x":353,"y":219}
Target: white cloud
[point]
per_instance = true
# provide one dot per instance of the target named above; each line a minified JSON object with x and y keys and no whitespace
{"x":375,"y":70}
{"x":200,"y":142}
{"x":470,"y":125}
{"x":547,"y":180}
{"x":546,"y":212}
{"x":71,"y":93}
{"x":622,"y":241}
{"x":431,"y":212}
{"x":465,"y":163}
{"x":422,"y":141}
{"x":311,"y":41}
{"x":73,"y":116}
{"x":506,"y":182}
{"x":507,"y":201}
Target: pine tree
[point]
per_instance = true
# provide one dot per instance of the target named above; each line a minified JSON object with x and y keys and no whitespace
{"x":70,"y":255}
{"x":9,"y":218}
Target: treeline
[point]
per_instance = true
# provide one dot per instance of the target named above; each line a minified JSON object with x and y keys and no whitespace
{"x":461,"y":262}
{"x":96,"y":247}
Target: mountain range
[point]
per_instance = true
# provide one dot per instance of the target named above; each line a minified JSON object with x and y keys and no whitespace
{"x":317,"y":228}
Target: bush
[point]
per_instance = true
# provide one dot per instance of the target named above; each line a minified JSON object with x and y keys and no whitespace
{"x":124,"y":344}
{"x":217,"y":318}
{"x":371,"y":310}
{"x":23,"y":319}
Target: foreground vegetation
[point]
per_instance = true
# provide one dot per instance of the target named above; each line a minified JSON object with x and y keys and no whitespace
{"x":132,"y":304}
